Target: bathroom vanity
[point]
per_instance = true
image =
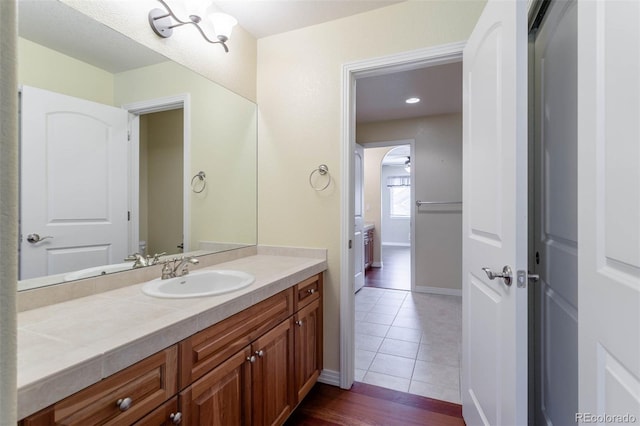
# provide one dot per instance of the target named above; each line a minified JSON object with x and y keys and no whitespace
{"x":245,"y":358}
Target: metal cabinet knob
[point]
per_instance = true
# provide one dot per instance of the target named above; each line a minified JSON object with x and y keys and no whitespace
{"x":299,"y":323}
{"x":311,"y":290}
{"x":35,"y":238}
{"x":124,"y":403}
{"x":176,"y":418}
{"x":251,"y":359}
{"x":260,"y":353}
{"x":506,"y":274}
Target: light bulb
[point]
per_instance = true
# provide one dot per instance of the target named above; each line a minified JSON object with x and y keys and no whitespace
{"x":223,"y":25}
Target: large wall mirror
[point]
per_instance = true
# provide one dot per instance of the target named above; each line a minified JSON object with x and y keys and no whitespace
{"x":123,"y":152}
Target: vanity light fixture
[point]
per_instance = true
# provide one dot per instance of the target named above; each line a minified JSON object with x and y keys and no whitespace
{"x":164,"y":21}
{"x":412,"y":100}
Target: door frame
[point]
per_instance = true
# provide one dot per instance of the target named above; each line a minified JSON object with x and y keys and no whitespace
{"x":136,"y":109}
{"x":405,"y":61}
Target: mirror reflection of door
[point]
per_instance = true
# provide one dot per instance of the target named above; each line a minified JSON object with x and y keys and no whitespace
{"x":161,"y":182}
{"x":73,"y":165}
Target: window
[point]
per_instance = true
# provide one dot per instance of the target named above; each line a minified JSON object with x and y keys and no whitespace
{"x":399,"y":196}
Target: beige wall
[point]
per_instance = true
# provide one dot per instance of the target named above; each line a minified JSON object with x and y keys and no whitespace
{"x":163,"y":158}
{"x":235,"y":70}
{"x":437,"y":175}
{"x":299,"y":89}
{"x":48,"y":69}
{"x":372,"y":197}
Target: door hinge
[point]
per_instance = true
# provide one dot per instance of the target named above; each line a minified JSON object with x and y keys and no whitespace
{"x":128,"y":216}
{"x":350,"y":243}
{"x":129,"y":135}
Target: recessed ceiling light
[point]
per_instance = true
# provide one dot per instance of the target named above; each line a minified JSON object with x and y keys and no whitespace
{"x":412,"y":100}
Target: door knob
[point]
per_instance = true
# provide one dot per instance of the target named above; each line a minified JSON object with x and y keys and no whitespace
{"x":506,"y":274}
{"x":35,"y":238}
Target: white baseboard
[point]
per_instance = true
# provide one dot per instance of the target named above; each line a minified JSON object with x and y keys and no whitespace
{"x":397,"y":244}
{"x":330,"y":377}
{"x":438,"y":290}
{"x":376,"y":264}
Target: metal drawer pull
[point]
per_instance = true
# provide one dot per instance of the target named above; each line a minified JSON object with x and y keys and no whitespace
{"x":311,"y":290}
{"x":299,"y":323}
{"x":124,"y":403}
{"x":260,"y":353}
{"x":506,"y":274}
{"x":251,"y":359}
{"x":176,"y":418}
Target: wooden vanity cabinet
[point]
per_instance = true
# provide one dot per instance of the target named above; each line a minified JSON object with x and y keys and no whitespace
{"x":252,"y":368}
{"x":368,"y":248}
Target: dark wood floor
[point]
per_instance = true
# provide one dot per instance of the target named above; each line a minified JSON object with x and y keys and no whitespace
{"x":395,"y":272}
{"x":371,"y":405}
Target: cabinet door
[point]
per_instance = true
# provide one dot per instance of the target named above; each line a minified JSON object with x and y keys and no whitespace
{"x":222,"y":397}
{"x":273,"y":375}
{"x":308,"y":348}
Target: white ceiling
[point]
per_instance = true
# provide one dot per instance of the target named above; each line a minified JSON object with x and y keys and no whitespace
{"x":52,"y":24}
{"x":383,"y":97}
{"x":57,"y":26}
{"x":263,"y":18}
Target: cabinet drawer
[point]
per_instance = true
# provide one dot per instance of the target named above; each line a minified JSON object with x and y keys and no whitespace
{"x":307,"y":291}
{"x":165,"y":415}
{"x":148,"y":384}
{"x":205,"y":350}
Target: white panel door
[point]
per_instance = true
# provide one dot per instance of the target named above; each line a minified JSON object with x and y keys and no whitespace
{"x":609,"y":209}
{"x":556,"y":210}
{"x":358,"y":235}
{"x":73,"y":183}
{"x":494,"y":371}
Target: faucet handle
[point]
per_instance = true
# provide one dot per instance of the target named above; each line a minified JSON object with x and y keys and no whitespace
{"x":152,"y":260}
{"x":132,"y":257}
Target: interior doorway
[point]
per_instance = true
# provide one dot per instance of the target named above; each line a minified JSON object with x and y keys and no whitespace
{"x":161,"y":171}
{"x":388,"y":200}
{"x":407,"y":340}
{"x":159,"y":132}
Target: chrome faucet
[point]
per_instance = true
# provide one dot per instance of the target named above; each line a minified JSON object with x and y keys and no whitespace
{"x":177,"y":267}
{"x":140,"y":261}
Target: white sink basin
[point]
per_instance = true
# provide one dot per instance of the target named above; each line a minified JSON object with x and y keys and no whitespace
{"x":97,"y":270}
{"x":198,"y":284}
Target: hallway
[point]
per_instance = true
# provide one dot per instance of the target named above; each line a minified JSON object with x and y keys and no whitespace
{"x":395,"y":272}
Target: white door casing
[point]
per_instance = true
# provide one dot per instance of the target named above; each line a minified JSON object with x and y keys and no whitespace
{"x":358,"y":224}
{"x":494,"y":380}
{"x":556,"y":211}
{"x":73,"y":183}
{"x":609,"y":209}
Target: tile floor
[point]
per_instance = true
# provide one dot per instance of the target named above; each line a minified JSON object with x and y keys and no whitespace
{"x":409,"y":342}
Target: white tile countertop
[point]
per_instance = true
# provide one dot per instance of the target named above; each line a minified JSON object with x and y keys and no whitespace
{"x":67,"y":346}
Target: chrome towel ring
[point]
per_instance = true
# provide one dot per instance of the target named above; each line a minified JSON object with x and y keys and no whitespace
{"x":322,"y":170}
{"x":202,"y":182}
